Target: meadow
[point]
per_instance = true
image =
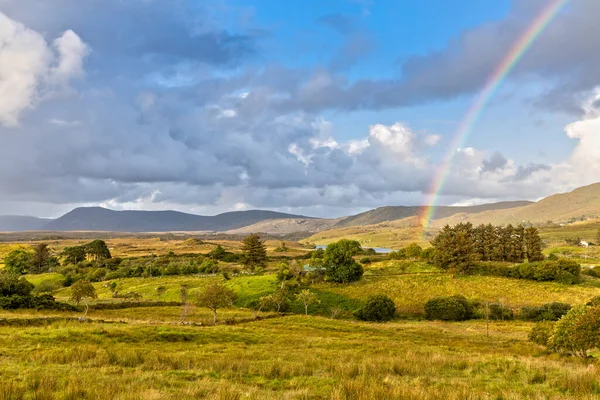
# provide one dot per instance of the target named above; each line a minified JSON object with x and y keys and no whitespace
{"x":143,"y":352}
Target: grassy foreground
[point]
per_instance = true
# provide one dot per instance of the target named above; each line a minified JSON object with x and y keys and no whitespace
{"x":291,"y":357}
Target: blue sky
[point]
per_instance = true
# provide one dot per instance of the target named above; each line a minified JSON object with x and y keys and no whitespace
{"x":317,"y":107}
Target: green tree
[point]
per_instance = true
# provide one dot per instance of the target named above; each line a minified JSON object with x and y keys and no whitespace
{"x":97,"y":250}
{"x":18,"y":261}
{"x":340,"y":266}
{"x":413,"y":251}
{"x":73,"y":254}
{"x":307,"y":298}
{"x":533,"y":245}
{"x":217,"y":253}
{"x":254,"y":253}
{"x":40,"y":258}
{"x":578,"y":331}
{"x":82,"y":291}
{"x":278,"y":301}
{"x":285,"y":273}
{"x":455,"y":247}
{"x":216,"y":296}
{"x":11,"y":284}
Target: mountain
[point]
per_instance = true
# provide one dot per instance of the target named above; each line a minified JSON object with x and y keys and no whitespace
{"x":580,"y":204}
{"x":102,"y":219}
{"x":287,"y":226}
{"x":393,"y":213}
{"x":15,"y":223}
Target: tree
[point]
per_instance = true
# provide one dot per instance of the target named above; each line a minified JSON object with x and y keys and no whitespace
{"x":73,"y":254}
{"x":455,"y":247}
{"x":185,"y":306}
{"x":18,"y":261}
{"x":307,"y":298}
{"x":254,"y":253}
{"x":578,"y":331}
{"x":533,"y":245}
{"x":217,"y":253}
{"x":82,"y":291}
{"x":339,"y":262}
{"x":97,"y":250}
{"x":40,"y":258}
{"x":278,"y":301}
{"x":377,"y":308}
{"x":281,"y":248}
{"x":216,"y":296}
{"x":11,"y":285}
{"x":413,"y":251}
{"x":160,"y":291}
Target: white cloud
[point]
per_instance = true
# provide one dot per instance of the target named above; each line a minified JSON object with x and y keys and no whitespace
{"x":29,"y":66}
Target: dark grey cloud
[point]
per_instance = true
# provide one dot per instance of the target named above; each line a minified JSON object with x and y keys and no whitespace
{"x":496,"y":162}
{"x":525,"y":171}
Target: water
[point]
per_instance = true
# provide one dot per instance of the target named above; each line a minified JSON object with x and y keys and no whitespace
{"x":378,"y":250}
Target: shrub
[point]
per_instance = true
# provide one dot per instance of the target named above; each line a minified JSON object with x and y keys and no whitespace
{"x":578,"y":331}
{"x":377,"y":308}
{"x":340,"y":266}
{"x":562,"y":270}
{"x":500,"y":312}
{"x":546,"y":312}
{"x":366,"y":260}
{"x":590,"y":272}
{"x":542,"y":333}
{"x":447,"y":309}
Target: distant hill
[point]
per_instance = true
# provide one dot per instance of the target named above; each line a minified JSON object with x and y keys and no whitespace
{"x":393,"y":213}
{"x":17,"y":223}
{"x":287,"y":226}
{"x":580,"y":204}
{"x":102,"y":219}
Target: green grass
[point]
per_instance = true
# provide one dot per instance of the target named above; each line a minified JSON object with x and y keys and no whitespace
{"x":286,"y":358}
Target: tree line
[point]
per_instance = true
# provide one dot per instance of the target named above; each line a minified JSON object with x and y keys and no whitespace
{"x":462,"y":245}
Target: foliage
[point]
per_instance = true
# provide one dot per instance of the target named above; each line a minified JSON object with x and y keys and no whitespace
{"x":546,"y":312}
{"x":451,"y":308}
{"x":307,"y":298}
{"x":73,"y":254}
{"x":97,"y":250}
{"x":40,"y":259}
{"x":278,"y":301}
{"x":18,"y":261}
{"x":282,"y":248}
{"x":578,"y":331}
{"x":542,"y":333}
{"x":254,"y":253}
{"x":340,"y":266}
{"x":455,"y":248}
{"x":561,"y":270}
{"x":216,"y":296}
{"x":217,"y":253}
{"x":82,"y":290}
{"x":16,"y":292}
{"x":500,"y":312}
{"x":377,"y":308}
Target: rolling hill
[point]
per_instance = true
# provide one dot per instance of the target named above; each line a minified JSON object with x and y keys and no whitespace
{"x":384,"y":214}
{"x":579,"y":205}
{"x":102,"y":219}
{"x":287,"y":226}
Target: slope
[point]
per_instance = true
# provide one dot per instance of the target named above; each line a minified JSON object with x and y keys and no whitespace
{"x":18,"y":223}
{"x":578,"y":205}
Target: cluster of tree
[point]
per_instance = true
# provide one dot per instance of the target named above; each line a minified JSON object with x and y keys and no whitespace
{"x":461,"y":246}
{"x":576,"y":333}
{"x":336,"y":263}
{"x":96,"y":250}
{"x":36,"y":260}
{"x":378,"y":308}
{"x":17,"y":292}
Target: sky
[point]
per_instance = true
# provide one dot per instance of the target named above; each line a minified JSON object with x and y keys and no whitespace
{"x":315,"y":107}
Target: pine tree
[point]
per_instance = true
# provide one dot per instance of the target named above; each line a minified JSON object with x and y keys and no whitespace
{"x":533,"y":244}
{"x":455,"y":247}
{"x":255,"y":253}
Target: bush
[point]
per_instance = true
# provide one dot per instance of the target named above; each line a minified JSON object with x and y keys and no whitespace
{"x":562,"y":270}
{"x":542,"y":333}
{"x":546,"y":312}
{"x":578,"y":331}
{"x":500,"y":312}
{"x":453,"y":308}
{"x":377,"y":308}
{"x":366,"y":261}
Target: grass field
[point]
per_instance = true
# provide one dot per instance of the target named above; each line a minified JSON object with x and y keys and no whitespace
{"x":142,"y":352}
{"x":293,"y":357}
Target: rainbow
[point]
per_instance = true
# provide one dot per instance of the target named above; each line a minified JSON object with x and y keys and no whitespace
{"x":474,"y":112}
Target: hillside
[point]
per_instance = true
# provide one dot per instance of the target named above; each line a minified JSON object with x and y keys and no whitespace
{"x":287,"y":226}
{"x":393,"y":213}
{"x":14,"y":223}
{"x":581,"y":204}
{"x":102,"y":219}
